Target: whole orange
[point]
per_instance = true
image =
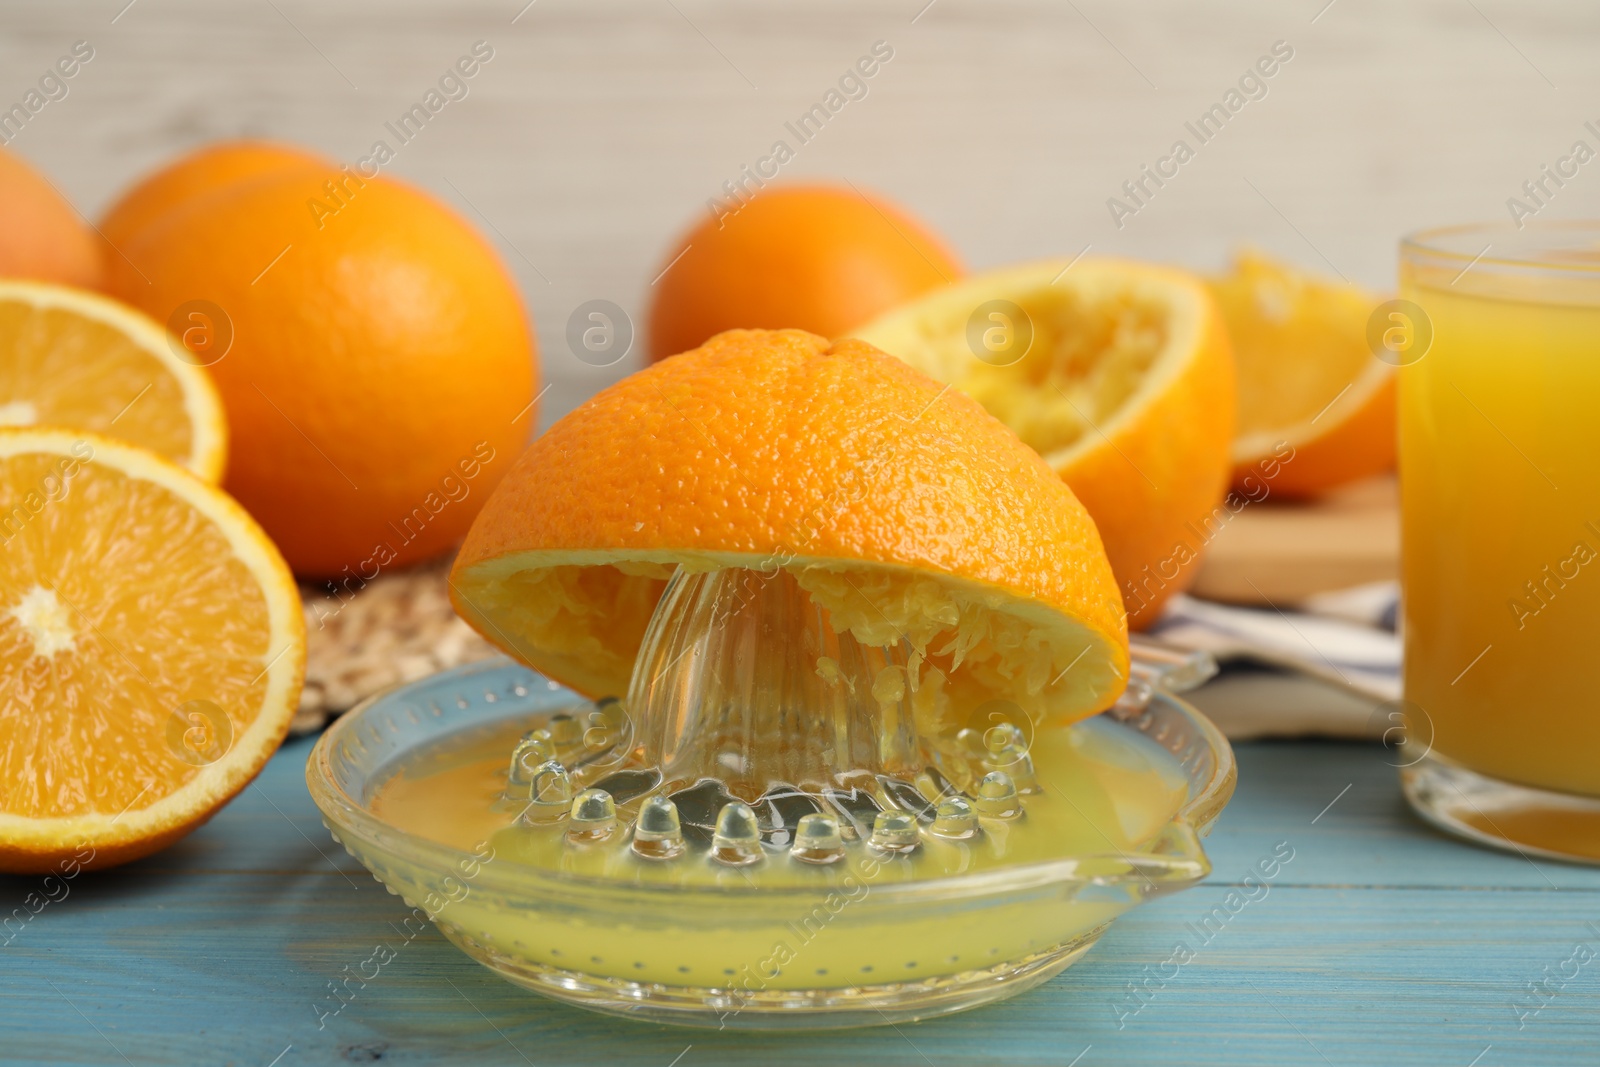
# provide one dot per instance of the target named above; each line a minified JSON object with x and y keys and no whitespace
{"x":201,"y":172}
{"x":381,"y":369}
{"x":41,"y":236}
{"x":815,"y":258}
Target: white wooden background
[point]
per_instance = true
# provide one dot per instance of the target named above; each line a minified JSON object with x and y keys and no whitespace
{"x":599,"y":129}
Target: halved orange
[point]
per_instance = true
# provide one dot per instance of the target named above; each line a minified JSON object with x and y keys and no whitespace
{"x":1316,"y":409}
{"x":151,"y":645}
{"x":1118,"y":373}
{"x":903,"y":509}
{"x":74,"y":358}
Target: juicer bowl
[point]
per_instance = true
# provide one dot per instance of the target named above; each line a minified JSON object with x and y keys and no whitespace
{"x":747,"y":956}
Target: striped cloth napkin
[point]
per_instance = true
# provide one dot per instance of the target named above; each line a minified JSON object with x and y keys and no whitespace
{"x":1347,"y":639}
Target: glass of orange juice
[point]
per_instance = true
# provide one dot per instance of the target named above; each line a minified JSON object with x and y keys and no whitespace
{"x":1497,"y":337}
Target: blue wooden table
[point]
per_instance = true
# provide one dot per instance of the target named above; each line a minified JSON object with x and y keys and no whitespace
{"x":1378,"y":943}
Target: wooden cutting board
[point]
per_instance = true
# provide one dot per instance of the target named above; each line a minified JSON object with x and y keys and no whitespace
{"x":1284,"y":552}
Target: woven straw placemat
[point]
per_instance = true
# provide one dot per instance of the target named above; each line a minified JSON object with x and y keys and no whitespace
{"x":361,"y":639}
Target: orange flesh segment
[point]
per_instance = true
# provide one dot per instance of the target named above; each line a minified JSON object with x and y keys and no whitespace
{"x":63,"y":369}
{"x":1300,"y":343}
{"x":1084,"y":364}
{"x":102,"y":592}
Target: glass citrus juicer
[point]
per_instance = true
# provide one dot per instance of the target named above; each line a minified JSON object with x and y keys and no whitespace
{"x":801,"y":787}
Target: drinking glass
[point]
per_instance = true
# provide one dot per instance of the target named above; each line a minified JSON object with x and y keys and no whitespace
{"x":1497,"y":338}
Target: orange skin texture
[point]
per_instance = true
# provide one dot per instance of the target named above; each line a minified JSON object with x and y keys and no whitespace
{"x":200,"y":173}
{"x":1152,"y":493}
{"x":16,"y":859}
{"x":381,"y":355}
{"x":814,"y":258}
{"x":57,"y":861}
{"x":780,"y":444}
{"x":1361,"y":446}
{"x":41,"y":236}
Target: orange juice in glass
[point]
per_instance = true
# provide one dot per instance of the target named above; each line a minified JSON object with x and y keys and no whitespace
{"x":1500,"y":519}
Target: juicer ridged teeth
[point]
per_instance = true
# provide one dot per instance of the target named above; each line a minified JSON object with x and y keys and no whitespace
{"x":737,"y":841}
{"x":593,"y":818}
{"x":955,"y":820}
{"x":565,"y":731}
{"x":1006,"y":749}
{"x":894,"y":832}
{"x":551,"y":784}
{"x":817,"y":840}
{"x":997,"y":796}
{"x":549,"y":794}
{"x":533,"y":751}
{"x":658,"y":832}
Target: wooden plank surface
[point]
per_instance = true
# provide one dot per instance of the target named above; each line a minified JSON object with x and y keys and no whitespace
{"x":1282,"y":553}
{"x":1379,"y":942}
